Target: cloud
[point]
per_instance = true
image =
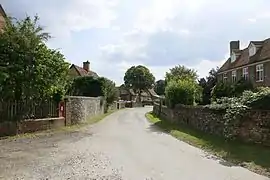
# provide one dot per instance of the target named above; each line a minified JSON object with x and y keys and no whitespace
{"x":116,"y":34}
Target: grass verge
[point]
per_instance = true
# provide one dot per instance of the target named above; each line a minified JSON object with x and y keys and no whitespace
{"x":253,"y":157}
{"x":71,"y":128}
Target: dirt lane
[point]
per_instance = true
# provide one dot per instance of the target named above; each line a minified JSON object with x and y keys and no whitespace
{"x":124,"y":146}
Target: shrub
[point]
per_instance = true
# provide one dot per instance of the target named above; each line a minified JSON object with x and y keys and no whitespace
{"x":221,"y":90}
{"x":180,"y":92}
{"x":235,"y":108}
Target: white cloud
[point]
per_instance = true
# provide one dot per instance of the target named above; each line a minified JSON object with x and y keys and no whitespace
{"x":78,"y":15}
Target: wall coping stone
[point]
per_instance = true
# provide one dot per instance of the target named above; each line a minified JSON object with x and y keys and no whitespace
{"x":43,"y":119}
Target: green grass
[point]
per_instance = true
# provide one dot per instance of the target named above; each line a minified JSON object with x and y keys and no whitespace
{"x":253,"y":157}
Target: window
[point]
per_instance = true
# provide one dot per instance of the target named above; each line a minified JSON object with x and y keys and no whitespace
{"x":245,"y":73}
{"x":252,"y":50}
{"x":259,"y":73}
{"x":233,"y":76}
{"x":225,"y":77}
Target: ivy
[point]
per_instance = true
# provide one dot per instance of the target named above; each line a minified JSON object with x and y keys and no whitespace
{"x":235,"y":108}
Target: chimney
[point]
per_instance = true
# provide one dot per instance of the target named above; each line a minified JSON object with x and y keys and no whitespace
{"x":234,"y":45}
{"x":86,"y":66}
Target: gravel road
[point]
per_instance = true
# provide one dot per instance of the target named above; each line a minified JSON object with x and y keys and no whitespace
{"x":124,"y":146}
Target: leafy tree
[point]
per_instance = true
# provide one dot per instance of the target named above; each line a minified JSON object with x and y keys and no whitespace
{"x":87,"y":86}
{"x":139,"y":78}
{"x":160,"y":87}
{"x":94,"y":87}
{"x":207,"y":86}
{"x":32,"y":71}
{"x":181,"y":72}
{"x":109,"y":90}
{"x":180,"y":92}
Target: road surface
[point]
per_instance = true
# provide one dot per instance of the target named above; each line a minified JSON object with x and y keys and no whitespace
{"x":124,"y":146}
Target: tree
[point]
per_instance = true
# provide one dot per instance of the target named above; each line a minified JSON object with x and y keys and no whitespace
{"x":139,"y":78}
{"x":109,"y":90}
{"x":32,"y":71}
{"x":207,"y":86}
{"x":181,"y":72}
{"x":160,"y":87}
{"x":180,"y":92}
{"x":94,"y":87}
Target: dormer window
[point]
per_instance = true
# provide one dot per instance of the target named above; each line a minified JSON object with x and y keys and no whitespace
{"x":233,"y":57}
{"x":252,"y":50}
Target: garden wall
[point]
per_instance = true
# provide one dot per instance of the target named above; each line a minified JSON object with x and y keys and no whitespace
{"x":79,"y":109}
{"x":254,"y":127}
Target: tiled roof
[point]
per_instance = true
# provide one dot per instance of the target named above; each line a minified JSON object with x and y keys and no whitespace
{"x":83,"y":72}
{"x":262,"y":53}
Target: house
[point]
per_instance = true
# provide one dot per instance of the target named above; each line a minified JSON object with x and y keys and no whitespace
{"x":76,"y":71}
{"x":251,"y":63}
{"x":2,"y":18}
{"x":126,"y":94}
{"x":129,"y":94}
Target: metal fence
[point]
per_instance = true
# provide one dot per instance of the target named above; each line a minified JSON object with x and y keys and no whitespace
{"x":18,"y":110}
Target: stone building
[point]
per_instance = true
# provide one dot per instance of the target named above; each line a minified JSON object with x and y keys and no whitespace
{"x":251,"y":63}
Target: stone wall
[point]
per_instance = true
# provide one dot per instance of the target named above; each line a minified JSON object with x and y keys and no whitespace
{"x":80,"y":109}
{"x":254,"y":127}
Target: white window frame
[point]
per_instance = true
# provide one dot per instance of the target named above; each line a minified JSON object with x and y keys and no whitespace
{"x":245,"y":73}
{"x":234,"y":76}
{"x":225,"y":77}
{"x":259,"y":73}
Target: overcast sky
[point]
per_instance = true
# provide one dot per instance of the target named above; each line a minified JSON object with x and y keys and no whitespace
{"x":116,"y":34}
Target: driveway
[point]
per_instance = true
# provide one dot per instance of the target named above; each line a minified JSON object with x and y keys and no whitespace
{"x":124,"y":146}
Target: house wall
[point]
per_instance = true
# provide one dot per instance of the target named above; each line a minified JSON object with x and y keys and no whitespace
{"x":2,"y":21}
{"x":252,"y":75}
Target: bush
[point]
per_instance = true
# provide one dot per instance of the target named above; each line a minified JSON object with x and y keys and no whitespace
{"x":180,"y":92}
{"x":235,"y":108}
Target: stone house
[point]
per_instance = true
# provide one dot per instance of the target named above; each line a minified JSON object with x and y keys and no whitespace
{"x":2,"y":18}
{"x":251,"y":63}
{"x":76,"y":71}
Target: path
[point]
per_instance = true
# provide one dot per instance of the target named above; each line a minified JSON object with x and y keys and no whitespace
{"x":124,"y":146}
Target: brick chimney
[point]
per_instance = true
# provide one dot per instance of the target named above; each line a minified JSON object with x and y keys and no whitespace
{"x":234,"y":45}
{"x":86,"y":66}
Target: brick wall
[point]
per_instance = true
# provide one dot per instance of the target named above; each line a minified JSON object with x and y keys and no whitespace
{"x":255,"y":126}
{"x":79,"y":109}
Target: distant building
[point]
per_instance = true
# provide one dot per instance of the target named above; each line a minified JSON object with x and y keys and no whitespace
{"x":251,"y":63}
{"x":76,"y":71}
{"x":2,"y":18}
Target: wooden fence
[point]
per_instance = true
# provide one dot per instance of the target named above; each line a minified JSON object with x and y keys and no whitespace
{"x":17,"y":110}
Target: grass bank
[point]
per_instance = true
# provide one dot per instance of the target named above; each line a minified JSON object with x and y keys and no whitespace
{"x":253,"y":157}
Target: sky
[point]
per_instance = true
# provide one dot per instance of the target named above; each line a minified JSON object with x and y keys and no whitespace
{"x":114,"y":35}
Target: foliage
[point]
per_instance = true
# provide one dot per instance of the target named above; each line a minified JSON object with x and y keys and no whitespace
{"x":160,"y":87}
{"x":181,"y":72}
{"x":207,"y":85}
{"x":94,"y":87}
{"x":87,"y":86}
{"x":240,"y":86}
{"x":139,"y":78}
{"x":180,"y":92}
{"x":236,"y":107}
{"x":221,"y":90}
{"x":30,"y":69}
{"x":109,"y":90}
